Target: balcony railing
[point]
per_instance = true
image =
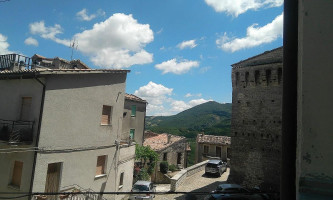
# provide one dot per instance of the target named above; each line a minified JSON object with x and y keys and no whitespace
{"x":16,"y":131}
{"x":15,"y":62}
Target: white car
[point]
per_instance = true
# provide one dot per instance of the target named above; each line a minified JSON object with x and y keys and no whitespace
{"x":141,"y":187}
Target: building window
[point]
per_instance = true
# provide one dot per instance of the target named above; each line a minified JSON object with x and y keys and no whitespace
{"x":179,"y":158}
{"x":121,"y":180}
{"x":133,"y":113}
{"x":247,"y":78}
{"x":25,"y":108}
{"x":132,"y":132}
{"x":17,"y":174}
{"x":101,"y":165}
{"x":268,"y":77}
{"x":206,"y":149}
{"x":218,"y":152}
{"x":279,"y":75}
{"x":165,"y":156}
{"x":237,"y":78}
{"x":256,"y":77}
{"x":106,"y":115}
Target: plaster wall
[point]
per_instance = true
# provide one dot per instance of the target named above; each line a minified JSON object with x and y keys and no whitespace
{"x":73,"y":109}
{"x":314,"y":134}
{"x":211,"y":151}
{"x":136,"y":122}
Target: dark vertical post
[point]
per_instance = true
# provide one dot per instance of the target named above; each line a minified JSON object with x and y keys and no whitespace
{"x":289,"y":100}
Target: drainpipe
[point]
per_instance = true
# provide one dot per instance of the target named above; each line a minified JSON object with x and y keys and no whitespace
{"x":37,"y":137}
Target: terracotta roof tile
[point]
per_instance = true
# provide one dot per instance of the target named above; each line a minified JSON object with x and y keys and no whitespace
{"x":160,"y":141}
{"x":134,"y":98}
{"x":213,"y":139}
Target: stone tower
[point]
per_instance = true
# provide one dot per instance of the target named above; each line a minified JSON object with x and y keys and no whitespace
{"x":256,"y":120}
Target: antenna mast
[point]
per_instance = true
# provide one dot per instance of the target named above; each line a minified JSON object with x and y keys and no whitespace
{"x":73,"y":46}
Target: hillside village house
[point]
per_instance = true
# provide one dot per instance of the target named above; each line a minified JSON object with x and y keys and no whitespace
{"x":212,"y":147}
{"x":169,"y":147}
{"x":60,"y":129}
{"x":134,"y":118}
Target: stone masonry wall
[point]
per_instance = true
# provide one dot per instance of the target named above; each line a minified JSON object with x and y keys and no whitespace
{"x":256,"y":126}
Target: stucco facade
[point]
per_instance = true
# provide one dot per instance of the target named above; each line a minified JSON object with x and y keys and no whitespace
{"x":212,"y":147}
{"x":256,"y":121}
{"x":69,"y":104}
{"x":134,"y":118}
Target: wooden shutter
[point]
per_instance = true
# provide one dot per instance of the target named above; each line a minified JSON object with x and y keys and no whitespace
{"x":132,"y":132}
{"x":133,"y":113}
{"x":106,"y":115}
{"x":25,"y":108}
{"x":100,"y":168}
{"x":17,"y":173}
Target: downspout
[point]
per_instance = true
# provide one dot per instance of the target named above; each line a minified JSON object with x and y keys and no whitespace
{"x":37,"y":137}
{"x":144,"y":124}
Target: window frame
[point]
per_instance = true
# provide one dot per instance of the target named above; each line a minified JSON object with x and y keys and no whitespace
{"x":104,"y":166}
{"x":204,"y":149}
{"x":106,"y":111}
{"x":121,"y":180}
{"x":133,"y":110}
{"x":132,"y":129}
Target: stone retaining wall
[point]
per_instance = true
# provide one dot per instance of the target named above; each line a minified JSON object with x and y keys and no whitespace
{"x":179,"y":178}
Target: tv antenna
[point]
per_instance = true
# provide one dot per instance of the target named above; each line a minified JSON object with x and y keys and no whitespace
{"x":73,"y":46}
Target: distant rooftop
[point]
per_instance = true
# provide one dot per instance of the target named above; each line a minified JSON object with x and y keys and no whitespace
{"x":213,"y":139}
{"x":134,"y":98}
{"x":159,"y":142}
{"x":268,"y":57}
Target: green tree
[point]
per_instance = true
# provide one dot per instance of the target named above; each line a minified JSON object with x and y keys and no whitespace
{"x":147,"y":156}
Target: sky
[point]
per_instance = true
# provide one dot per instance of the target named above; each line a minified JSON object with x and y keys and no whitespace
{"x":179,"y":52}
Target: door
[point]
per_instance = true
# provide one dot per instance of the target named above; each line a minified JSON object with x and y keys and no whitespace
{"x":53,"y":179}
{"x":218,"y":152}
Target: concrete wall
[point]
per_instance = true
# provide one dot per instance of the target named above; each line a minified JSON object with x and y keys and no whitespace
{"x":137,"y":122}
{"x":12,"y":92}
{"x":314,"y":134}
{"x":256,"y":128}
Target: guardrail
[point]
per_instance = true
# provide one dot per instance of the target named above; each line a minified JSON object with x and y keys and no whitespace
{"x":179,"y":178}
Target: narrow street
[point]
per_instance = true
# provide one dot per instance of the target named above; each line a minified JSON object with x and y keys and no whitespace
{"x":198,"y":182}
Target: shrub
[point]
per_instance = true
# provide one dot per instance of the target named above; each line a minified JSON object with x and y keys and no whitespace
{"x":164,"y":167}
{"x":173,"y":167}
{"x":142,"y":176}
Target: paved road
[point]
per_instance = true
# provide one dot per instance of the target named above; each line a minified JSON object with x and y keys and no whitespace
{"x":196,"y":183}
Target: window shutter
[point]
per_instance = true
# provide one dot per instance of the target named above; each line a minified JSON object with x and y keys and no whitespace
{"x":133,"y":113}
{"x":17,"y":173}
{"x":100,"y":168}
{"x":106,"y":115}
{"x":121,"y":179}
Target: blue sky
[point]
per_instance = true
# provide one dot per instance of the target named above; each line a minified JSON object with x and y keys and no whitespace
{"x":179,"y":51}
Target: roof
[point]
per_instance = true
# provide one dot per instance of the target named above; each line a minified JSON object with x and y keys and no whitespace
{"x":134,"y":98}
{"x":159,"y":142}
{"x":79,"y":61}
{"x":268,"y":57}
{"x":142,"y":183}
{"x":41,"y":72}
{"x":214,"y":161}
{"x":213,"y":139}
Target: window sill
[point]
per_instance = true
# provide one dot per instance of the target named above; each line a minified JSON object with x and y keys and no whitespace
{"x":14,"y":187}
{"x":100,"y":176}
{"x":120,"y":186}
{"x":133,"y":115}
{"x":106,"y":125}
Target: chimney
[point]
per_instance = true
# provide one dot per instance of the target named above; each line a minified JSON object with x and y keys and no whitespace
{"x":169,"y":138}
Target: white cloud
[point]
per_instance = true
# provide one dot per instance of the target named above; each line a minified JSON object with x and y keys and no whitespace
{"x":192,"y":95}
{"x":237,"y":7}
{"x":31,"y":41}
{"x":159,"y":31}
{"x":255,"y":36}
{"x":172,"y":66}
{"x":4,"y":45}
{"x":160,"y":101}
{"x":83,"y":15}
{"x":117,"y":42}
{"x":204,"y":69}
{"x":187,"y":44}
{"x":39,"y":28}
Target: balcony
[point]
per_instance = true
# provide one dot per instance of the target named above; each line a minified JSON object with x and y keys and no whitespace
{"x":15,"y":62}
{"x":16,"y":131}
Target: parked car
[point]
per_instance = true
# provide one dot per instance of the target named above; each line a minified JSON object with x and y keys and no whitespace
{"x":215,"y":167}
{"x":143,"y":186}
{"x":234,"y":191}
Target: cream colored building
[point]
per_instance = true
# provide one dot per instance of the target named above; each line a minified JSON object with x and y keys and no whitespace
{"x":60,"y":130}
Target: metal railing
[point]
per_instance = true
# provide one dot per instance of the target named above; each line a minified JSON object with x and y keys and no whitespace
{"x":15,"y":61}
{"x":16,"y":131}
